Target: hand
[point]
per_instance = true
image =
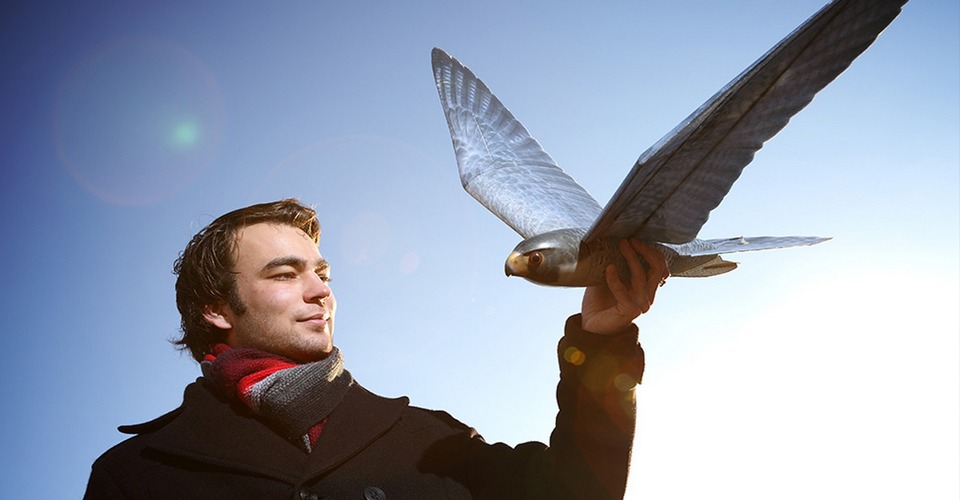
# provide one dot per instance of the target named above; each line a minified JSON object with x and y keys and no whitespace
{"x":611,"y":308}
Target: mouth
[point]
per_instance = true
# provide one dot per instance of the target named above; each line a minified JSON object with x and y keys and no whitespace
{"x":319,"y":319}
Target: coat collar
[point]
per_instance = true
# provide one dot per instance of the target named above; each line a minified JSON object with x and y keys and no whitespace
{"x":210,"y":430}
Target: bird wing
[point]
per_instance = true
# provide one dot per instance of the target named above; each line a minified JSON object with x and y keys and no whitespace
{"x":674,"y":185}
{"x":697,"y":248}
{"x":501,"y":165}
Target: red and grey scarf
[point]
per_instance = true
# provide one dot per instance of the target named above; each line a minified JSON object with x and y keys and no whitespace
{"x":293,"y":399}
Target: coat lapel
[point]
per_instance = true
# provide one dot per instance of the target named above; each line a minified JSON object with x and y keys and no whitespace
{"x":360,"y":418}
{"x":210,"y":430}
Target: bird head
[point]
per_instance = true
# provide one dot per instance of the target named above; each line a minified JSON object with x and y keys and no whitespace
{"x":547,"y":259}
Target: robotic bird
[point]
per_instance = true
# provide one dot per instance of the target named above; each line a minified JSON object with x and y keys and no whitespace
{"x":666,"y":198}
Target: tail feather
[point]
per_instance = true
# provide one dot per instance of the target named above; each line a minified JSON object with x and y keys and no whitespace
{"x":699,"y":267}
{"x":701,"y":258}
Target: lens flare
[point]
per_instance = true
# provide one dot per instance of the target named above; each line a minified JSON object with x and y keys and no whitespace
{"x":185,"y":135}
{"x":137,"y":121}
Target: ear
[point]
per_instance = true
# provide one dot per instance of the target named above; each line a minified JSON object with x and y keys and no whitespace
{"x":218,"y":315}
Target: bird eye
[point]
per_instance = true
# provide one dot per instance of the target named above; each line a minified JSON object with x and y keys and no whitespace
{"x":535,"y":259}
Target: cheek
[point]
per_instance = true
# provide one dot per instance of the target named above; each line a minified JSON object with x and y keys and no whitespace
{"x":273,"y":298}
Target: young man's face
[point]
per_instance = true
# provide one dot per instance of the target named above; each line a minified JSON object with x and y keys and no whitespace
{"x":283,"y":282}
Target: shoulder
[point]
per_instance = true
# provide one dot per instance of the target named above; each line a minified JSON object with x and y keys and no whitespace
{"x":132,"y":447}
{"x":440,"y":420}
{"x":193,"y":394}
{"x":409,"y":419}
{"x":127,"y":459}
{"x":152,"y":425}
{"x":412,"y":418}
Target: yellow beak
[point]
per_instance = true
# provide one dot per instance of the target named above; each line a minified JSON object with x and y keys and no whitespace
{"x":516,"y":265}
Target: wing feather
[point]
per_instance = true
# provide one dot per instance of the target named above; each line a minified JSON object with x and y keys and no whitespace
{"x":500,"y":164}
{"x":674,"y":185}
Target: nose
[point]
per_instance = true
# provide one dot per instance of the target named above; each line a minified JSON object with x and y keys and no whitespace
{"x":318,"y":289}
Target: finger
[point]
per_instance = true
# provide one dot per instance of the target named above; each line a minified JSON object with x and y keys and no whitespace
{"x":658,"y":271}
{"x":658,"y":263}
{"x":634,"y":262}
{"x":627,"y":303}
{"x":645,"y":284}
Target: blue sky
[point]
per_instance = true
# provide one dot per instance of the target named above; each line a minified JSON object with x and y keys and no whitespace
{"x":827,"y":372}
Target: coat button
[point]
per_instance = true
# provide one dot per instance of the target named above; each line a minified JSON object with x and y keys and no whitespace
{"x":374,"y":493}
{"x":307,"y":495}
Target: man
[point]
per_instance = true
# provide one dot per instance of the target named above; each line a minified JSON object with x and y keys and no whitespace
{"x":275,"y":415}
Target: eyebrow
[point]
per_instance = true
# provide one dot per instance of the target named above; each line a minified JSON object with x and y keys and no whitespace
{"x":295,"y":262}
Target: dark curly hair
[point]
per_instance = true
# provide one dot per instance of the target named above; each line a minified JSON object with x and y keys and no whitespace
{"x":205,"y":272}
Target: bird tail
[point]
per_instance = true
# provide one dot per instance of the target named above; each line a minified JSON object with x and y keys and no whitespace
{"x":699,"y":267}
{"x":701,"y":258}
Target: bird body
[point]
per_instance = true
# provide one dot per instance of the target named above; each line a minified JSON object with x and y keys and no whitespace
{"x":569,"y":239}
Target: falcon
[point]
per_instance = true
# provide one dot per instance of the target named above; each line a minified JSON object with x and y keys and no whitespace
{"x":569,"y":239}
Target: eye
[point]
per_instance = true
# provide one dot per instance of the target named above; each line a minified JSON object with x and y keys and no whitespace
{"x":535,"y":258}
{"x":323,"y":272}
{"x":284,"y":276}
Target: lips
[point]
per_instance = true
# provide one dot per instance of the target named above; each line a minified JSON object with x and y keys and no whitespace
{"x":320,"y":318}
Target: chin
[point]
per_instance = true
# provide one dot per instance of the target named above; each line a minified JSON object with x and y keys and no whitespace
{"x":314,"y":353}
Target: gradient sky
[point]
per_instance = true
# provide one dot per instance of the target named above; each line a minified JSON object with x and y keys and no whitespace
{"x":824,"y":372}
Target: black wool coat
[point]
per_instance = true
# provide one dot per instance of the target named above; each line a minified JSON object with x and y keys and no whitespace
{"x":376,"y":448}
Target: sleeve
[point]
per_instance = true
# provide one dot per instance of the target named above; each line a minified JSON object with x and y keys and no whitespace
{"x":589,"y":453}
{"x":101,"y":486}
{"x":593,"y":437}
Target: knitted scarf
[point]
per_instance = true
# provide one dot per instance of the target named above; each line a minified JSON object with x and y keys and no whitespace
{"x":292,"y":399}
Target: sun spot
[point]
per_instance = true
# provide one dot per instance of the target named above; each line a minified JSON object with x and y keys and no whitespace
{"x":185,"y":134}
{"x":624,"y":382}
{"x":574,"y":356}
